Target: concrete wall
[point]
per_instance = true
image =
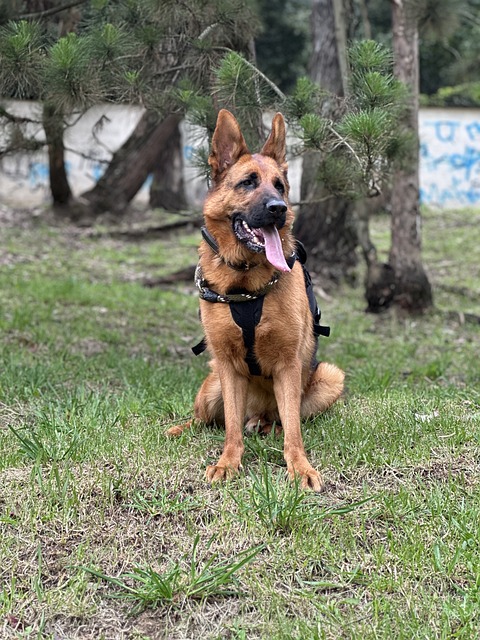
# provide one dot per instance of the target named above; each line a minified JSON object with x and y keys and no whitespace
{"x":449,"y":156}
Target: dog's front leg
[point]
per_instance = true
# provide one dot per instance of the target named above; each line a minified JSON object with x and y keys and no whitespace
{"x":287,"y":388}
{"x":234,"y":392}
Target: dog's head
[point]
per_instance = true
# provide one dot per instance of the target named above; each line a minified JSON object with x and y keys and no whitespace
{"x":247,"y":207}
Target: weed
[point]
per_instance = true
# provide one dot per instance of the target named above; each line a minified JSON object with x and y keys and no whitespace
{"x":282,"y":506}
{"x":189,"y":578}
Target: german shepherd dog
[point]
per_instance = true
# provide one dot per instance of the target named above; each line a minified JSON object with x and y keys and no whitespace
{"x":263,"y":369}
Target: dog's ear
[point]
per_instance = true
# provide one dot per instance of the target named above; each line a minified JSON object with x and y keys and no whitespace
{"x":228,"y":144}
{"x":275,"y":147}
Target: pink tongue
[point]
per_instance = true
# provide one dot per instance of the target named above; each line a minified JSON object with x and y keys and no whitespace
{"x":273,"y":248}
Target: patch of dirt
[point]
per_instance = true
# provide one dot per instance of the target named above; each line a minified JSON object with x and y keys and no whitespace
{"x":10,"y":416}
{"x":339,"y":487}
{"x":88,"y":347}
{"x":18,"y":218}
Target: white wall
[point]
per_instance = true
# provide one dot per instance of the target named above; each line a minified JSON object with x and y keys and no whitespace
{"x":90,"y":142}
{"x":449,"y":156}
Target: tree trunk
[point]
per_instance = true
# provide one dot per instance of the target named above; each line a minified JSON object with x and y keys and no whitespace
{"x":167,"y":190}
{"x":324,"y":65}
{"x":53,"y":127}
{"x":131,"y":164}
{"x":367,"y":27}
{"x":412,"y":288}
{"x":325,"y":223}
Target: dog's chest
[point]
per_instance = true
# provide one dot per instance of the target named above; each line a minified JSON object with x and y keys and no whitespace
{"x":237,"y":330}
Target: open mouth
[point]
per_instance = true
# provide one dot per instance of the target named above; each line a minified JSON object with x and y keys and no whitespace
{"x":262,"y":240}
{"x":253,"y":238}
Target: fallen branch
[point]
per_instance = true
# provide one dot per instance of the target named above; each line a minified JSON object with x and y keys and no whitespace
{"x":147,"y":233}
{"x":183,"y":275}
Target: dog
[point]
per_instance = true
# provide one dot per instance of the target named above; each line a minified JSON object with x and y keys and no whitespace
{"x":256,"y":306}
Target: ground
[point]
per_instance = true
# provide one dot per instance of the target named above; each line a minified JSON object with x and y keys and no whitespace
{"x":107,"y":527}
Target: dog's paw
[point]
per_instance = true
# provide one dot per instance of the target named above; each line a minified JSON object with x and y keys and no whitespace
{"x":262,"y":427}
{"x":178,"y":429}
{"x":310,"y":479}
{"x":218,"y":472}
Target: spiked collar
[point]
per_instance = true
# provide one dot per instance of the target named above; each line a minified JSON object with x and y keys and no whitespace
{"x":241,"y":296}
{"x":244,"y":296}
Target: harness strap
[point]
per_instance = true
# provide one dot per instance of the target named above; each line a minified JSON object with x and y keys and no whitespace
{"x":318,"y":329}
{"x":209,"y":239}
{"x":212,"y":243}
{"x":247,"y":316}
{"x":200,"y":347}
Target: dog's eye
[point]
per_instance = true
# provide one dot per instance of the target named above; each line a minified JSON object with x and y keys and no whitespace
{"x":250,"y":182}
{"x":279,"y":186}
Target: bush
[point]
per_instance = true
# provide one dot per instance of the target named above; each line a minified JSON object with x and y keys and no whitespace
{"x":462,"y":95}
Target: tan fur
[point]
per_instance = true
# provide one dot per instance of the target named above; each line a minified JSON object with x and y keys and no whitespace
{"x":284,"y":342}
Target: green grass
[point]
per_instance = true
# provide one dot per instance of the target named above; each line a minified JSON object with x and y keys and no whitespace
{"x":108,"y":529}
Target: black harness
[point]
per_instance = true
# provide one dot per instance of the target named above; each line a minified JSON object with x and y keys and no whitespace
{"x":246,"y":307}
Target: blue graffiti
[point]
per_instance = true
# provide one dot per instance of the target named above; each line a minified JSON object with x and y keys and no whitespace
{"x":38,"y":174}
{"x":451,"y":175}
{"x":456,"y":193}
{"x":449,"y":154}
{"x":188,"y":152}
{"x":97,"y":170}
{"x":473,"y":130}
{"x":445,"y":130}
{"x":424,"y":150}
{"x":469,"y":161}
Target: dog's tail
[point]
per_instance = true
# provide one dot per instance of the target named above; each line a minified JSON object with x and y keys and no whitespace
{"x":325,"y":388}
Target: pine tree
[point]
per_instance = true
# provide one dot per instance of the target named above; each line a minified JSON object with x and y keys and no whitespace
{"x":140,"y":51}
{"x":358,"y":141}
{"x":182,"y":57}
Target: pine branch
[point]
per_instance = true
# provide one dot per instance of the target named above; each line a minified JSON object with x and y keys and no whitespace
{"x":207,"y":30}
{"x":251,"y":66}
{"x":344,"y":142}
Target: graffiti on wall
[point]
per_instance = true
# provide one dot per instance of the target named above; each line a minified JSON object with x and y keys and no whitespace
{"x":450,"y":159}
{"x":34,"y":173}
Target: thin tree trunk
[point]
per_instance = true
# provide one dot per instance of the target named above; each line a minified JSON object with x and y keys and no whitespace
{"x":367,"y":27}
{"x":324,"y":65}
{"x":167,"y":190}
{"x":339,"y":15}
{"x":53,"y":127}
{"x":326,"y":226}
{"x":412,"y":288}
{"x":131,"y":164}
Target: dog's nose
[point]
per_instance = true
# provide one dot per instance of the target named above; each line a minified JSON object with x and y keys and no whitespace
{"x":277,"y":207}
